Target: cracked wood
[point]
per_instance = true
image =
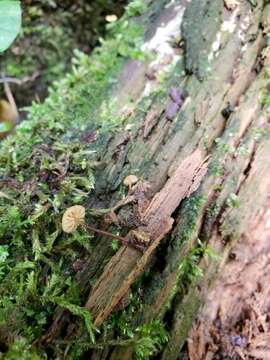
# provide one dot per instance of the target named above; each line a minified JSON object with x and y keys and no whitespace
{"x":128,"y":263}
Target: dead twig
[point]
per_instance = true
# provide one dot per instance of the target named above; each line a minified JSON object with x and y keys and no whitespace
{"x":26,"y":79}
{"x":9,"y":94}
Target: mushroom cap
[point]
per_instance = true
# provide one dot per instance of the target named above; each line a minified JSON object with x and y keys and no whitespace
{"x":72,"y":217}
{"x":111,"y":18}
{"x":130,"y":180}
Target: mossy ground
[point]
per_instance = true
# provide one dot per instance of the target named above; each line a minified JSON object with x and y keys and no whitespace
{"x":50,"y":33}
{"x":45,"y":167}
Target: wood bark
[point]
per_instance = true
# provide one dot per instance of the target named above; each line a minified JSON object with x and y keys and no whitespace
{"x":222,"y":69}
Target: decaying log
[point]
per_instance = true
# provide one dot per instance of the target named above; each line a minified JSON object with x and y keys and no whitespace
{"x":224,"y":77}
{"x":156,"y":221}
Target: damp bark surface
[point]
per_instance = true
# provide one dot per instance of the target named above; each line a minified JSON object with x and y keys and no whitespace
{"x":220,"y":66}
{"x":196,"y":135}
{"x":222,"y":69}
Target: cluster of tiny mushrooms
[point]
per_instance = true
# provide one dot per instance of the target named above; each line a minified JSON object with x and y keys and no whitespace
{"x":74,"y":216}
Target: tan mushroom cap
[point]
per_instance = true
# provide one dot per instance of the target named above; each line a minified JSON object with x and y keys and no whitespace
{"x":72,"y":217}
{"x":111,"y":18}
{"x":130,"y":180}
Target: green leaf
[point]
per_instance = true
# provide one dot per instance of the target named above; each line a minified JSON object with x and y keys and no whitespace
{"x":5,"y":126}
{"x":10,"y":22}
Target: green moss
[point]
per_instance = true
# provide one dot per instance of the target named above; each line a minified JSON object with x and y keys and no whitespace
{"x":152,"y":337}
{"x":21,"y":349}
{"x":50,"y":32}
{"x":146,"y":340}
{"x":184,"y":316}
{"x":258,"y":133}
{"x":233,"y":201}
{"x":223,"y":147}
{"x":122,"y":321}
{"x":200,"y":35}
{"x":44,"y":168}
{"x":186,"y":251}
{"x":190,"y":210}
{"x":216,"y":168}
{"x":194,"y":249}
{"x":213,"y":210}
{"x":189,"y":269}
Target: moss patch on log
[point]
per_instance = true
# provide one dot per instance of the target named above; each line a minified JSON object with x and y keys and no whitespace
{"x":51,"y":31}
{"x":199,"y":35}
{"x":45,"y":167}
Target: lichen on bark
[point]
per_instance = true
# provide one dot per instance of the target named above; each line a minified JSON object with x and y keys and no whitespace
{"x":199,"y":34}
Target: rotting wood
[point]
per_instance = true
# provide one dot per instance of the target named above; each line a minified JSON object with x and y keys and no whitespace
{"x":150,"y":121}
{"x":244,"y":279}
{"x":246,"y":117}
{"x":168,"y":143}
{"x":226,"y":87}
{"x":109,"y":174}
{"x":128,"y":263}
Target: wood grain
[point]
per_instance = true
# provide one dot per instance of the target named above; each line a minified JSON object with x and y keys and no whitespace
{"x":128,"y":263}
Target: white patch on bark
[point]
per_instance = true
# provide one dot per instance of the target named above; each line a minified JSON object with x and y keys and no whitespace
{"x":267,"y":225}
{"x":215,"y":47}
{"x":243,"y":28}
{"x":161,"y":44}
{"x":173,"y":3}
{"x":230,"y":25}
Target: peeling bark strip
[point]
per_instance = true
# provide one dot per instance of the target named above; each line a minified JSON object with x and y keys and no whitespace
{"x":128,"y":263}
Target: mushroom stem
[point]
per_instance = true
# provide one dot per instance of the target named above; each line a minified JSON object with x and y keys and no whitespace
{"x":105,"y":233}
{"x":9,"y":95}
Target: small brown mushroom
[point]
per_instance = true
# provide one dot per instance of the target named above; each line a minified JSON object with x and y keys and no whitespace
{"x":130,"y":180}
{"x":72,"y":218}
